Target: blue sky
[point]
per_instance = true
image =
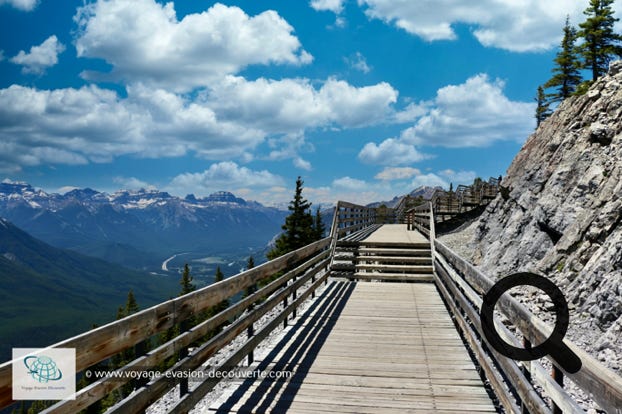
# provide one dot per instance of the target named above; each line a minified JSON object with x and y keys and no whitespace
{"x":364,"y":99}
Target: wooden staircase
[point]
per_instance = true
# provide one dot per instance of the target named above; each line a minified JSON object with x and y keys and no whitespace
{"x":394,"y":261}
{"x":382,"y":260}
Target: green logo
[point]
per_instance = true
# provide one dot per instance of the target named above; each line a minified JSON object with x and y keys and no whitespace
{"x":43,"y":368}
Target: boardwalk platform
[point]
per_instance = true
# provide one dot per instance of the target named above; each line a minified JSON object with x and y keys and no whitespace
{"x":396,"y":234}
{"x":367,"y":348}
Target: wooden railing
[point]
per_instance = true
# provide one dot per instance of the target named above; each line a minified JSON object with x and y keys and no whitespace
{"x":447,"y":204}
{"x":463,"y":286}
{"x":304,"y":270}
{"x":350,"y":218}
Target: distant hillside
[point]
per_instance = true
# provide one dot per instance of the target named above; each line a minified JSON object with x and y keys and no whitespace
{"x":48,"y":294}
{"x":138,"y":228}
{"x":423,"y":191}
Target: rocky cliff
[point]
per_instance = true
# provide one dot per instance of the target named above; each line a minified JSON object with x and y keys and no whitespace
{"x":560,"y":214}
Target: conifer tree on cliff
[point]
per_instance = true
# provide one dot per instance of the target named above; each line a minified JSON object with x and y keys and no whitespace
{"x":601,"y":42}
{"x":298,"y":228}
{"x":566,"y":73}
{"x":542,"y":109}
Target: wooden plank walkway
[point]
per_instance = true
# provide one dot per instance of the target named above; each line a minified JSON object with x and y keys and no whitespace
{"x":396,"y":233}
{"x":367,"y":348}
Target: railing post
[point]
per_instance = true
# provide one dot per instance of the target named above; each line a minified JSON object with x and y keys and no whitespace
{"x":250,"y":331}
{"x":526,"y":372}
{"x":432,"y":235}
{"x":558,"y":376}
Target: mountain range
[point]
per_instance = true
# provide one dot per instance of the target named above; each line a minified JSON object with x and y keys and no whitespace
{"x":423,"y":191}
{"x":48,"y":294}
{"x":138,"y":228}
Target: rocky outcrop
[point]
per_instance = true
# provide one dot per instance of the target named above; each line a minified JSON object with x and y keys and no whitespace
{"x":560,"y":213}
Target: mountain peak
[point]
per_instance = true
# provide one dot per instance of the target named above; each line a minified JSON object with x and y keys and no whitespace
{"x":223,"y":197}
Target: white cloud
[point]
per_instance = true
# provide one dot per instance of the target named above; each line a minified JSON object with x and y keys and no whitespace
{"x":74,"y":126}
{"x":411,"y":112}
{"x":336,"y":6}
{"x":144,"y":41}
{"x":40,"y":57}
{"x":302,"y":164}
{"x":526,"y":25}
{"x":397,"y":173}
{"x":459,"y":177}
{"x":473,"y":114}
{"x":290,"y":105}
{"x":390,"y":152}
{"x":430,"y":180}
{"x":25,"y":5}
{"x":132,"y":183}
{"x":223,"y":175}
{"x":349,"y":183}
{"x":95,"y":124}
{"x":358,"y":62}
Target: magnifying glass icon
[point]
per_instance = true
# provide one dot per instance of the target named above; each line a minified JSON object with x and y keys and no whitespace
{"x":553,"y":345}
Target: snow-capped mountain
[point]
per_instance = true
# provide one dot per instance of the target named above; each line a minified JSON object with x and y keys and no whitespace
{"x":135,"y":223}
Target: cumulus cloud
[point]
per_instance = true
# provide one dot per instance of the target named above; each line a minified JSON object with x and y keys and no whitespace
{"x":143,"y":40}
{"x":358,"y":62}
{"x":224,"y":175}
{"x":519,"y":26}
{"x":302,"y":164}
{"x":74,"y":126}
{"x":95,"y":124}
{"x":397,"y":173}
{"x":40,"y":57}
{"x":335,"y":6}
{"x":25,"y":5}
{"x":349,"y":183}
{"x":132,"y":183}
{"x":473,"y":114}
{"x":289,"y":105}
{"x":390,"y":152}
{"x":429,"y":180}
{"x":459,"y":177}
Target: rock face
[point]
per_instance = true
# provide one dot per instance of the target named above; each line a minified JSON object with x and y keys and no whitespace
{"x":562,"y":213}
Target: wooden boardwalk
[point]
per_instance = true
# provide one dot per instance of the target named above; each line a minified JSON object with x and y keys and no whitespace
{"x":367,"y":348}
{"x":396,"y":234}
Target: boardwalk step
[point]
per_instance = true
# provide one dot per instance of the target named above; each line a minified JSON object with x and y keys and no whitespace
{"x":394,"y":245}
{"x":384,"y":251}
{"x":415,"y":277}
{"x":396,"y":259}
{"x":395,"y":268}
{"x":342,"y":267}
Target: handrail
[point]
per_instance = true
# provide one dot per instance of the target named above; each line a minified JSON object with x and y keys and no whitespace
{"x":102,"y":343}
{"x":349,"y":218}
{"x":463,"y":286}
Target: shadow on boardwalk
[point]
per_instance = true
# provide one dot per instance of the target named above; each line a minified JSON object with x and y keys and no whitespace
{"x":301,"y":345}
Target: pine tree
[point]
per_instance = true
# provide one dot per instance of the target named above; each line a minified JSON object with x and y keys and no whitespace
{"x":251,"y":289}
{"x":131,"y":306}
{"x":601,"y":42}
{"x":318,"y":226}
{"x":298,"y":227}
{"x":542,"y":109}
{"x":186,"y":281}
{"x":218,"y":277}
{"x":566,"y":76}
